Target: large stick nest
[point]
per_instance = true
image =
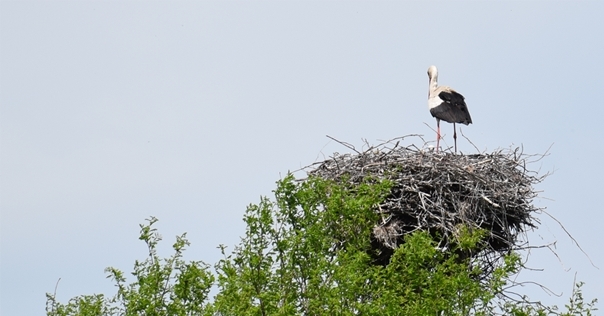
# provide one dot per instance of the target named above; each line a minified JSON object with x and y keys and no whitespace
{"x":437,"y":192}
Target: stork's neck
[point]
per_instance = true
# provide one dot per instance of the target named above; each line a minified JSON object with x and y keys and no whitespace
{"x":433,"y":84}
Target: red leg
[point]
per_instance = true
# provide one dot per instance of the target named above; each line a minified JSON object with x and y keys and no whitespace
{"x":437,"y":134}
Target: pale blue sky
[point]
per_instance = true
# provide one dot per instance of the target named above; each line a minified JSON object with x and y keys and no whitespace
{"x":114,"y":111}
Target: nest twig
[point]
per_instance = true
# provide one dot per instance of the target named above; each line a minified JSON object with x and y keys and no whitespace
{"x":436,"y":192}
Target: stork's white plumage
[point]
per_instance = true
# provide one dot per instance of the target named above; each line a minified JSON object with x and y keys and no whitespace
{"x":446,"y":104}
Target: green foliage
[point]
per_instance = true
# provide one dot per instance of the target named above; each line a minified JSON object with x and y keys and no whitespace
{"x":576,"y":306}
{"x":302,"y":253}
{"x":168,"y":286}
{"x":309,"y":253}
{"x":85,"y":305}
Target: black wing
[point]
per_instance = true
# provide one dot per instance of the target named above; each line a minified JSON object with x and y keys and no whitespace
{"x":453,"y":109}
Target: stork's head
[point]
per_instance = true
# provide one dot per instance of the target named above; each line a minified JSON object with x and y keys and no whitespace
{"x":432,"y":72}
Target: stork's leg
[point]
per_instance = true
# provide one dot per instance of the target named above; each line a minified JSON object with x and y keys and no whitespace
{"x":437,"y":133}
{"x":455,"y":137}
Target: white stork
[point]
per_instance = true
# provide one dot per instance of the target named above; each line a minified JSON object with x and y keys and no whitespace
{"x":446,"y":104}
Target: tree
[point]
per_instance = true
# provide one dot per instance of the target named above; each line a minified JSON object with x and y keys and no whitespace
{"x":308,"y":252}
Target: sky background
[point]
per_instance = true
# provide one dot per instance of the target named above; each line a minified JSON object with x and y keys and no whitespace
{"x":111,"y":112}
